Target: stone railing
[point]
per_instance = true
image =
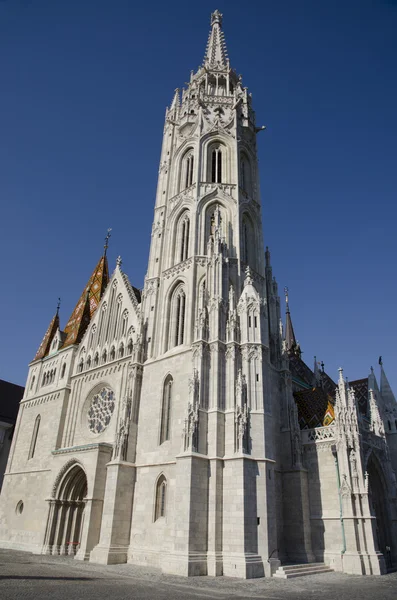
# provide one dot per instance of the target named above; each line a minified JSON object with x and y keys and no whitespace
{"x":318,"y":434}
{"x":207,"y":187}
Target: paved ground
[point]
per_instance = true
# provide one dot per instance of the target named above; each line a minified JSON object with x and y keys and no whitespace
{"x":25,"y":576}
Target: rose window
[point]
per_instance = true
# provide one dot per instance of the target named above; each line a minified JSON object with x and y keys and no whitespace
{"x":101,"y":410}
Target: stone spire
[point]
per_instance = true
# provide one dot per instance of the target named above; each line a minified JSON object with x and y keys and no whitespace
{"x":88,"y":302}
{"x":290,"y":340}
{"x":216,"y":53}
{"x":385,"y":389}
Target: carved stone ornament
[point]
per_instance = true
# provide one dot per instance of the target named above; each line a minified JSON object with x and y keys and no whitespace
{"x":191,"y":425}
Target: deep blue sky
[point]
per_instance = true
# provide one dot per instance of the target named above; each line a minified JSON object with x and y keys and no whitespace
{"x":84,"y":86}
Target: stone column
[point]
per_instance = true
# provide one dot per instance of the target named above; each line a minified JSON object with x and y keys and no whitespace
{"x":215,"y":488}
{"x":91,"y":527}
{"x":116,"y":516}
{"x":51,"y":524}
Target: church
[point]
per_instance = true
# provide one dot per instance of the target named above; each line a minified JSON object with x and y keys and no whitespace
{"x":177,"y":426}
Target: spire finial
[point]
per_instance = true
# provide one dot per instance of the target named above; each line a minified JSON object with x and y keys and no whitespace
{"x":106,"y":246}
{"x":216,"y":53}
{"x":286,"y":299}
{"x":380,"y":361}
{"x":119,"y":261}
{"x":58,"y":306}
{"x":216,"y":17}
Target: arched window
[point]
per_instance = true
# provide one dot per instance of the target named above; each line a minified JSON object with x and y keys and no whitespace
{"x":80,"y":367}
{"x":116,"y":320}
{"x":188,"y":168}
{"x":63,"y":370}
{"x":248,"y":255}
{"x":34,"y":437}
{"x":44,"y":381}
{"x":182,"y":238}
{"x":389,"y":424}
{"x":166,"y":410}
{"x":129,"y":347}
{"x":88,"y":363}
{"x":104,"y":356}
{"x":216,"y":163}
{"x":121,"y":350}
{"x":160,"y":499}
{"x":245,"y":173}
{"x":96,"y":359}
{"x":112,"y":353}
{"x":32,"y":382}
{"x":178,"y":305}
{"x":125,"y":323}
{"x":92,"y":335}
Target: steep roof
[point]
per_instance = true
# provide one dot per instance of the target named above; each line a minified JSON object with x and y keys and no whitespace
{"x":315,"y":408}
{"x":45,"y":345}
{"x":88,"y":303}
{"x":10,"y":397}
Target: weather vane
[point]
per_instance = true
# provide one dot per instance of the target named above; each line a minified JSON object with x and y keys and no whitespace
{"x":58,"y":305}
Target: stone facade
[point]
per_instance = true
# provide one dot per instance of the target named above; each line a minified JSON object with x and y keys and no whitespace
{"x":164,"y":428}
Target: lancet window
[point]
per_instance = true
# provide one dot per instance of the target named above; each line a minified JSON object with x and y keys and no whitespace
{"x":166,"y":410}
{"x":245,"y":174}
{"x":34,"y":437}
{"x":160,"y":500}
{"x":216,"y":164}
{"x":178,"y":307}
{"x":183,"y":236}
{"x":187,"y":170}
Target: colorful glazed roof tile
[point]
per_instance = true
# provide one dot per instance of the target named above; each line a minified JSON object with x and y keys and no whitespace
{"x":360,"y":387}
{"x":45,"y":345}
{"x":315,"y":408}
{"x":87,"y":304}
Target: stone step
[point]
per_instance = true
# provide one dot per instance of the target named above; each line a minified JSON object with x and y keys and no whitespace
{"x":290,"y":571}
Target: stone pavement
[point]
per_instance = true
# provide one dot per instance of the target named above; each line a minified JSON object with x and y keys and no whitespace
{"x":24,"y":576}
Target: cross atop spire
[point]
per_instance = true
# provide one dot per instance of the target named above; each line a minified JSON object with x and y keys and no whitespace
{"x":106,"y":246}
{"x":216,"y":53}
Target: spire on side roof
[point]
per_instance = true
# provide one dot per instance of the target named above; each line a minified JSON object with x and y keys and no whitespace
{"x":45,"y":345}
{"x":290,"y":340}
{"x":216,"y":53}
{"x":385,"y":390}
{"x":88,"y":302}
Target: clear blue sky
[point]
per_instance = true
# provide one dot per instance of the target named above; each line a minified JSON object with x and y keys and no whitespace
{"x":84,"y":86}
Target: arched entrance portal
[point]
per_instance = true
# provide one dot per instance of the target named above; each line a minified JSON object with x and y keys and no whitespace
{"x":66,"y":513}
{"x":379,"y":509}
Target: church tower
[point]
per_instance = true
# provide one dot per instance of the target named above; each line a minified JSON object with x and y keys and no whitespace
{"x":211,"y":325}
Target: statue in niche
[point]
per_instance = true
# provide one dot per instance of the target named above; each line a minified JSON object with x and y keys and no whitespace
{"x":191,"y":425}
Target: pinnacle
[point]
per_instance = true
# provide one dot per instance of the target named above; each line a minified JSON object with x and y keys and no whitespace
{"x":216,"y":52}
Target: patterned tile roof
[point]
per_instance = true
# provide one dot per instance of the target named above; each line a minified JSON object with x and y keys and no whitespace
{"x":45,"y":345}
{"x":87,"y":304}
{"x":360,"y":387}
{"x":315,"y":408}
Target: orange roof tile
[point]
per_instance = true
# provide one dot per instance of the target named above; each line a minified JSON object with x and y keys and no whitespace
{"x":45,"y":345}
{"x":87,"y":304}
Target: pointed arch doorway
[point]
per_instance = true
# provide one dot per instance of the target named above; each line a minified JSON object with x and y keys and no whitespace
{"x":66,"y":512}
{"x":380,"y":509}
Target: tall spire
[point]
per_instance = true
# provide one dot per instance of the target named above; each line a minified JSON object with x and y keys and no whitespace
{"x":290,"y":340}
{"x":45,"y":345}
{"x":216,"y":53}
{"x":89,"y":300}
